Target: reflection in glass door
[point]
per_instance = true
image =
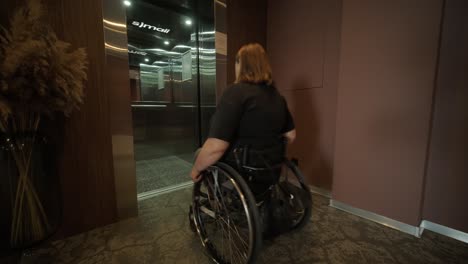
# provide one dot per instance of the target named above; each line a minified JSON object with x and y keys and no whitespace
{"x":168,"y":69}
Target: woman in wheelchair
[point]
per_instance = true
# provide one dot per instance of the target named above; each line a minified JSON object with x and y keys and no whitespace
{"x":245,"y":188}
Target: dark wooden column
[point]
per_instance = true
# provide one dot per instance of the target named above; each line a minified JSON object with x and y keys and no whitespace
{"x":85,"y":163}
{"x":246,"y":23}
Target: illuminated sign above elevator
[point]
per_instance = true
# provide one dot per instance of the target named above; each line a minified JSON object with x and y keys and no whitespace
{"x":155,"y":28}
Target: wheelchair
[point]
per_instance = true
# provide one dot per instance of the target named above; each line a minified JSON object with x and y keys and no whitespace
{"x":233,"y":210}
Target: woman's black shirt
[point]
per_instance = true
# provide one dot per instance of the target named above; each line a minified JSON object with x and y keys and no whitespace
{"x":251,"y":114}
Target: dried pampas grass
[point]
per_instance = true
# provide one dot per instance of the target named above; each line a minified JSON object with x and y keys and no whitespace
{"x":39,"y":75}
{"x":38,"y":72}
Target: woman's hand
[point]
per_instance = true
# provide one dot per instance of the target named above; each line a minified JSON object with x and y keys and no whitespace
{"x":211,"y":152}
{"x":195,"y":175}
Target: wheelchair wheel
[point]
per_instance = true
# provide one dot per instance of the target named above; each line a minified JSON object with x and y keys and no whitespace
{"x":226,"y":216}
{"x":292,"y":184}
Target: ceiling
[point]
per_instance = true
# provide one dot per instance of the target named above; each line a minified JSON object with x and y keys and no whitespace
{"x":158,"y":29}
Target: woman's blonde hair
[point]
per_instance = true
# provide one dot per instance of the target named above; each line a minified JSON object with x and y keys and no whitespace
{"x":254,"y":65}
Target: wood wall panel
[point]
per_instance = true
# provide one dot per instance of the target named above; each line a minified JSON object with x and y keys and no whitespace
{"x":313,"y":112}
{"x":246,"y":23}
{"x":303,"y":44}
{"x":447,"y":172}
{"x":296,"y":42}
{"x":386,"y":82}
{"x":86,"y":167}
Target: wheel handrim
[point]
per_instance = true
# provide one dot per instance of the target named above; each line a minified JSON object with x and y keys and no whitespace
{"x":224,"y":231}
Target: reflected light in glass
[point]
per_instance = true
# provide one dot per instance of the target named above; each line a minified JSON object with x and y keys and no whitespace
{"x":166,"y":42}
{"x":109,"y":46}
{"x":115,"y":30}
{"x":149,"y":66}
{"x":188,"y":22}
{"x":114,"y":23}
{"x":157,"y":51}
{"x":182,"y":47}
{"x":127,"y":3}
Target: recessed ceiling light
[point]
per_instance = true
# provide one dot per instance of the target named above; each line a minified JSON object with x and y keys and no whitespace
{"x":166,"y":42}
{"x":188,"y":22}
{"x":127,"y":3}
{"x":146,"y":59}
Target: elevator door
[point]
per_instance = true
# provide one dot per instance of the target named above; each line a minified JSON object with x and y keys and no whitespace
{"x":171,"y":88}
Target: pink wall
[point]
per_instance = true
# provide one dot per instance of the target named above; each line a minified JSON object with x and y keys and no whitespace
{"x":446,"y":193}
{"x":388,"y":61}
{"x":303,"y":44}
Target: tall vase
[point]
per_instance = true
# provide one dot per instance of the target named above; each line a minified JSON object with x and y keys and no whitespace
{"x":32,"y":189}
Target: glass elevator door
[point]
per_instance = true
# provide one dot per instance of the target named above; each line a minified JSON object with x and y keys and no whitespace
{"x":172,"y":71}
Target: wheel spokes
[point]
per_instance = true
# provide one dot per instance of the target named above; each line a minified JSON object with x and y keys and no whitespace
{"x":228,"y":231}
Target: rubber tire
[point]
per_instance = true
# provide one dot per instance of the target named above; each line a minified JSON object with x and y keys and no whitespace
{"x":252,"y":207}
{"x":308,"y":210}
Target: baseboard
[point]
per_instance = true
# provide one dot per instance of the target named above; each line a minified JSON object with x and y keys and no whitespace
{"x":151,"y":194}
{"x":409,"y":229}
{"x":444,"y":230}
{"x":320,"y":191}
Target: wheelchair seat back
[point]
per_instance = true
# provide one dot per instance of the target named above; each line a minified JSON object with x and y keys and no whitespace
{"x":261,"y":168}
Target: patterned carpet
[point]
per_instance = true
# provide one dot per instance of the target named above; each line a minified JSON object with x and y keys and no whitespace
{"x":163,"y":172}
{"x":148,"y":150}
{"x":161,"y":235}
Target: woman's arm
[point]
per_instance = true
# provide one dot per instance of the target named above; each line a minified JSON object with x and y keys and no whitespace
{"x":291,"y":136}
{"x":211,"y":152}
{"x":224,"y":125}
